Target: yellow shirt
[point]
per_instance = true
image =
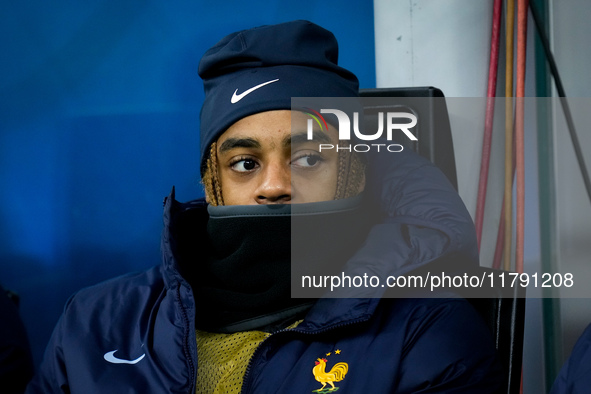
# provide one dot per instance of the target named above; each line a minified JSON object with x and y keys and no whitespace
{"x":223,"y":358}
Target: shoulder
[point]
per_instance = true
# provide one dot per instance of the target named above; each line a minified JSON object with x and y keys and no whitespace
{"x":116,"y":296}
{"x":127,"y":284}
{"x":118,"y":314}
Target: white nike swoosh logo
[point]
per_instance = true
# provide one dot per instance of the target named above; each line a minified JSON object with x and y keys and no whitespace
{"x":110,"y":357}
{"x":238,"y":97}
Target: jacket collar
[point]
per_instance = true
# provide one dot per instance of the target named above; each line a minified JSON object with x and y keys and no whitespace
{"x":325,"y":313}
{"x":171,"y":268}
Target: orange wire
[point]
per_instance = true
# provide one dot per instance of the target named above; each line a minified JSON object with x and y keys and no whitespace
{"x":522,"y":7}
{"x":498,"y":257}
{"x":508,"y":196}
{"x":519,"y":132}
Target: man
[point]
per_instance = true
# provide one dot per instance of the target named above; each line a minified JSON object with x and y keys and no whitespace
{"x":217,"y":316}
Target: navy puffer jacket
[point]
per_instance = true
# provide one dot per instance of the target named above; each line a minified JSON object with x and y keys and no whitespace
{"x":136,"y":333}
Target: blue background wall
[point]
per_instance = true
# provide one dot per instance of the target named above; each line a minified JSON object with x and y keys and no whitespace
{"x":99,"y":109}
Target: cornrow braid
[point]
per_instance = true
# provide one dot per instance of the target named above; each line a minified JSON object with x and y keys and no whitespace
{"x":355,"y":177}
{"x":211,"y":181}
{"x":343,"y":170}
{"x":351,"y":174}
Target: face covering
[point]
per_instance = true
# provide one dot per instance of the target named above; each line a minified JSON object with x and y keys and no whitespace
{"x":241,"y":274}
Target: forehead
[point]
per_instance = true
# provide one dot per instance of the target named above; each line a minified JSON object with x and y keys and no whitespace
{"x":274,"y":126}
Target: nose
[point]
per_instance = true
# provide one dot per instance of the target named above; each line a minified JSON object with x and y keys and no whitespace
{"x":275,"y":186}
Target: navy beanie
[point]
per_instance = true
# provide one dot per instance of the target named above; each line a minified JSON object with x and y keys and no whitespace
{"x":261,"y":69}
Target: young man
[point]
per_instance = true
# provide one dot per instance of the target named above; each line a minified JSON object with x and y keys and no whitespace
{"x":217,"y":316}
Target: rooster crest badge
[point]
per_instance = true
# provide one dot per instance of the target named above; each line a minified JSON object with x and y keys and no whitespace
{"x":336,"y":374}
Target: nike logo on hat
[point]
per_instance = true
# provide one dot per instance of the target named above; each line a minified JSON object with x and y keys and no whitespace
{"x":110,"y":357}
{"x":238,"y":97}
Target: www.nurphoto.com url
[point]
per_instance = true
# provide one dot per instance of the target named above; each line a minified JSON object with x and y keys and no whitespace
{"x":440,"y":280}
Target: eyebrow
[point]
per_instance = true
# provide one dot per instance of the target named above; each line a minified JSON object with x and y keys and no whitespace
{"x":232,"y":143}
{"x":300,"y":138}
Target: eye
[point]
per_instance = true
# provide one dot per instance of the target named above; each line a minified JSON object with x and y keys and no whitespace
{"x":308,"y":160}
{"x":244,"y":165}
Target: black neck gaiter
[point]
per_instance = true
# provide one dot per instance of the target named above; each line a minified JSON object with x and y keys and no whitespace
{"x":241,"y":276}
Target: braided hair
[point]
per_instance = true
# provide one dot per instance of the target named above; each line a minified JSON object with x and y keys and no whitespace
{"x":211,"y":181}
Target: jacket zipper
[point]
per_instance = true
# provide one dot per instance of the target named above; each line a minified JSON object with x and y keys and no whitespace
{"x":256,"y":354}
{"x":187,"y":335}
